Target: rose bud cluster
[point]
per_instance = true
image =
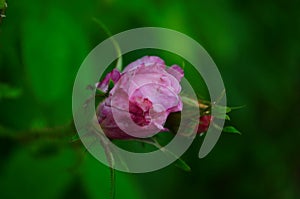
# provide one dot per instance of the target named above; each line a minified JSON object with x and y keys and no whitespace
{"x":147,"y":90}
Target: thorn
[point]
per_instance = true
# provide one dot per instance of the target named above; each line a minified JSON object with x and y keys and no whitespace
{"x":2,"y":16}
{"x":5,"y":4}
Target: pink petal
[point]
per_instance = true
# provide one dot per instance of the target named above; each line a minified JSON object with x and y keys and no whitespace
{"x":114,"y":75}
{"x":147,"y":60}
{"x":176,"y":71}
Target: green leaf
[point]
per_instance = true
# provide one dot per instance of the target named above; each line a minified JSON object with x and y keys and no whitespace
{"x":182,"y":165}
{"x":99,"y":97}
{"x":237,"y":107}
{"x":111,"y":84}
{"x":228,"y":109}
{"x":220,"y":116}
{"x":222,"y":109}
{"x":75,"y":138}
{"x":9,"y":92}
{"x":183,"y":65}
{"x":231,"y":129}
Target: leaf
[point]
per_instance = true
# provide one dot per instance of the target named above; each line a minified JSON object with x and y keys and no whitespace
{"x":237,"y":107}
{"x":183,"y":65}
{"x":231,"y":129}
{"x":182,"y":165}
{"x":98,"y":98}
{"x":228,"y":109}
{"x":219,"y":116}
{"x":8,"y":92}
{"x":75,"y":138}
{"x":111,"y":84}
{"x":227,"y":117}
{"x":222,"y":109}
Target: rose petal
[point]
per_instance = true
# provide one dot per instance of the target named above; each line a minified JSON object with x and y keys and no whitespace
{"x":176,"y":71}
{"x":114,"y":75}
{"x":151,"y":74}
{"x":107,"y":122}
{"x":147,"y":60}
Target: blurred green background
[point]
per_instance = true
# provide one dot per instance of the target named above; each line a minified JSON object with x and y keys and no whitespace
{"x":256,"y":46}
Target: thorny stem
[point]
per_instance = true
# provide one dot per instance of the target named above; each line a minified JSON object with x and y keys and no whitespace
{"x":58,"y":132}
{"x":111,"y":161}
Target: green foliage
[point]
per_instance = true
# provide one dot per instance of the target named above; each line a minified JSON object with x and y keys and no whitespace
{"x":8,"y":92}
{"x":231,"y":129}
{"x":222,"y":109}
{"x":25,"y":172}
{"x":49,"y":54}
{"x":180,"y":163}
{"x":2,"y":4}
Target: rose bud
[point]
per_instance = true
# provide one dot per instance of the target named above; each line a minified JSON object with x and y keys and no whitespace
{"x":204,"y":122}
{"x":146,"y":92}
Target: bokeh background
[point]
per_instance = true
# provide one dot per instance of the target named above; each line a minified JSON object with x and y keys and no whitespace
{"x":256,"y":46}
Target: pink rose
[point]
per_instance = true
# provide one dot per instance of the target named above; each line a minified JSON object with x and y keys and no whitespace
{"x":142,"y":98}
